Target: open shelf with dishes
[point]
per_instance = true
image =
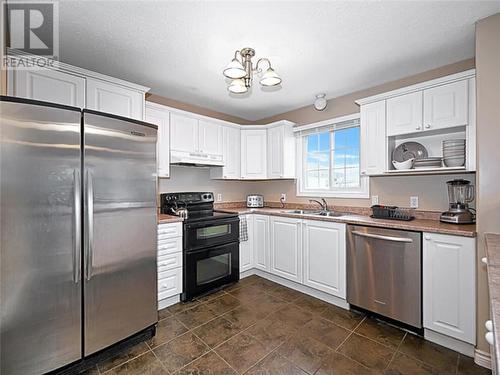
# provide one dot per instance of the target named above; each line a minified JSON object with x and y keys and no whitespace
{"x":441,"y":151}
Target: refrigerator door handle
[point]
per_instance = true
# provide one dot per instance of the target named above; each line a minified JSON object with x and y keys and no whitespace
{"x":77,"y":225}
{"x":90,"y":226}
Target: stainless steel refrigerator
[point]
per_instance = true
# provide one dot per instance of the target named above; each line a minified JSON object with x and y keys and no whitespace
{"x":77,"y":233}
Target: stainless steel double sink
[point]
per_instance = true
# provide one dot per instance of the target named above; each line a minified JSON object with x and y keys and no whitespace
{"x":313,"y":213}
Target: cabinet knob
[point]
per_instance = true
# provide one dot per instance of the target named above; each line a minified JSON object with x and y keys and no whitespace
{"x":490,"y":338}
{"x":427,"y":238}
{"x":427,"y":126}
{"x":363,"y":172}
{"x":417,"y":128}
{"x":489,"y":325}
{"x":484,"y":260}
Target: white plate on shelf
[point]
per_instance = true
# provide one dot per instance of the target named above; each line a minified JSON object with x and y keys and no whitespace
{"x":409,"y":150}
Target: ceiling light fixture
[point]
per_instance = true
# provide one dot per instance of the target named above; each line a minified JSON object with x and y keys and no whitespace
{"x":320,"y":103}
{"x":241,"y":71}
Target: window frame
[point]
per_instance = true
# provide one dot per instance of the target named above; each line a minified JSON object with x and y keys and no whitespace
{"x":363,"y":191}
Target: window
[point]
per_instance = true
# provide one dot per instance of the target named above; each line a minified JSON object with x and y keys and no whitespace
{"x":330,"y":164}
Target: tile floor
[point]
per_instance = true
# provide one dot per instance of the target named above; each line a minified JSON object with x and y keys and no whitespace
{"x":259,"y":327}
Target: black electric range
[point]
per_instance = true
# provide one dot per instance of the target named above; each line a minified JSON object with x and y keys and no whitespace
{"x":210,"y":242}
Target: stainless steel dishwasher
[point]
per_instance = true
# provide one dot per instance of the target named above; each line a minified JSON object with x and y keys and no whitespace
{"x":384,"y":272}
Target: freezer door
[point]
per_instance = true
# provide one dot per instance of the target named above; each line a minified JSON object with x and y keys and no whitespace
{"x":119,"y":229}
{"x":40,"y":306}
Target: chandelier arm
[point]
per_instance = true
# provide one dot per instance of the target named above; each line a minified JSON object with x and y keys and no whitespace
{"x":236,"y":53}
{"x":259,"y":61}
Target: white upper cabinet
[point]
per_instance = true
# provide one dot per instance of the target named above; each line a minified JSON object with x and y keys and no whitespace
{"x":286,"y":248}
{"x":183,"y":133}
{"x":231,"y":146}
{"x":48,"y":85}
{"x":69,"y":85}
{"x":247,"y":247}
{"x":261,"y":242}
{"x":449,"y":285}
{"x":446,"y":106}
{"x":280,"y":151}
{"x":254,"y":154}
{"x":373,"y":138}
{"x":159,"y":116}
{"x":110,"y":98}
{"x":325,"y":256}
{"x":209,"y":137}
{"x":404,"y":114}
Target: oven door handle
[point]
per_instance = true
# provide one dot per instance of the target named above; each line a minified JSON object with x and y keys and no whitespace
{"x":211,"y":223}
{"x":381,"y":237}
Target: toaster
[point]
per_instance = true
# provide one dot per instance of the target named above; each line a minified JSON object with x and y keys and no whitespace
{"x":255,"y":201}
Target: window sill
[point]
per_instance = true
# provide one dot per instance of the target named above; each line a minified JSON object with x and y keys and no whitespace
{"x":334,"y":194}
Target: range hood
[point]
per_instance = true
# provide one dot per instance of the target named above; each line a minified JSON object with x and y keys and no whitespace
{"x":197,"y":159}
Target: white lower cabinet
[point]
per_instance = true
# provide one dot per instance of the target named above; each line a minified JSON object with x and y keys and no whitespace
{"x":449,"y":285}
{"x":169,"y":260}
{"x":325,"y":256}
{"x":261,"y":242}
{"x":286,"y":249}
{"x":247,"y":247}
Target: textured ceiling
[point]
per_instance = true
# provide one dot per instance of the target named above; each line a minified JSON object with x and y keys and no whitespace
{"x":179,"y":48}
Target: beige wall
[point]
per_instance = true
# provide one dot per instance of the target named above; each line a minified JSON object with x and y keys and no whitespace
{"x":198,"y":179}
{"x":345,"y":105}
{"x":488,"y":152}
{"x":195,"y":109}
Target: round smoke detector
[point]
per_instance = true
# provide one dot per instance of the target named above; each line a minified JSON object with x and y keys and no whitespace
{"x":320,"y":102}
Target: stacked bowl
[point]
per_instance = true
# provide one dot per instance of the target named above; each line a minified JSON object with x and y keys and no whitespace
{"x":454,"y":152}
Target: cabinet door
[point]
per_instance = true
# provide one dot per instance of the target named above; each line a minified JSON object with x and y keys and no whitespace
{"x":210,"y":137}
{"x":373,"y":139}
{"x":449,"y":286}
{"x":160,"y":118}
{"x":253,"y":154}
{"x":446,"y":106}
{"x":404,"y":114}
{"x":286,"y":249}
{"x":275,"y":152}
{"x":232,"y":152}
{"x":261,"y":242}
{"x":325,"y":257}
{"x":110,"y":98}
{"x":183,"y":133}
{"x":246,"y":247}
{"x":50,"y":86}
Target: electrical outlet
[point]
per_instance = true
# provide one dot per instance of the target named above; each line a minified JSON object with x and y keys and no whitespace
{"x":283,"y":197}
{"x":219,"y":197}
{"x":414,"y":202}
{"x":374,"y":200}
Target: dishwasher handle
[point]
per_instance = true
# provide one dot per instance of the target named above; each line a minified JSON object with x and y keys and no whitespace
{"x":381,"y":237}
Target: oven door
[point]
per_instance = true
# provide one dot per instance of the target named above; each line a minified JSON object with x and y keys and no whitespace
{"x":210,"y":268}
{"x":210,"y":233}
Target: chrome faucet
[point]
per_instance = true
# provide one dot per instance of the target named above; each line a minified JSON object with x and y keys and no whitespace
{"x":322,"y":204}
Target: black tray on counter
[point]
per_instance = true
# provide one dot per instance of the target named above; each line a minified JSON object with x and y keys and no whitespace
{"x":392,"y":213}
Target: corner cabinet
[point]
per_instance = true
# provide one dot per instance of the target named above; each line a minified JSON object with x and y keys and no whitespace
{"x":286,"y":248}
{"x":449,"y":285}
{"x":160,"y":116}
{"x":373,"y":138}
{"x":253,"y":153}
{"x":77,"y":87}
{"x":325,"y":256}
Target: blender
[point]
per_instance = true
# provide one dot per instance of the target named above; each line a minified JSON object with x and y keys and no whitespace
{"x":460,"y":194}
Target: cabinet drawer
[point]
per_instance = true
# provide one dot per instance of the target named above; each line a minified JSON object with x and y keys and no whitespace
{"x":169,"y":261}
{"x":169,"y":230}
{"x":169,"y":283}
{"x":173,"y":245}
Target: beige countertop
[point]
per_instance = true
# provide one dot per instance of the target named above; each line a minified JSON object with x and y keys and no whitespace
{"x":166,"y":219}
{"x":493,"y":258}
{"x":420,"y":225}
